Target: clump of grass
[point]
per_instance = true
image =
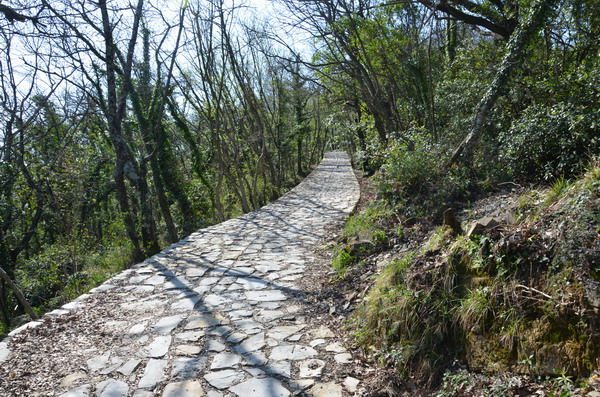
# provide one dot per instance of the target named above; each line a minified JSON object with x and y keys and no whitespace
{"x":410,"y":326}
{"x":363,"y":234}
{"x":341,"y":261}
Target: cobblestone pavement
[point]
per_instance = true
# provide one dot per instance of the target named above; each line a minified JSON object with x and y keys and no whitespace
{"x":216,"y":314}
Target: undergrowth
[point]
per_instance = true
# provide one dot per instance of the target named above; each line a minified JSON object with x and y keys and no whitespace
{"x":68,"y":269}
{"x":521,"y":298}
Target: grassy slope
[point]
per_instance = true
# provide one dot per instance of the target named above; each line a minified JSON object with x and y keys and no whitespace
{"x":522,"y":298}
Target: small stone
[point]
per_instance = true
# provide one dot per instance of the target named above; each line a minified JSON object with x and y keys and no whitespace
{"x":195,"y":272}
{"x":281,"y":368}
{"x":335,"y":347}
{"x":222,"y":331}
{"x":214,"y":300}
{"x":143,"y":393}
{"x":317,"y":342}
{"x":322,"y":332}
{"x":184,"y":367}
{"x":343,"y":358}
{"x":201,"y":321}
{"x":326,"y":390}
{"x":214,"y":346}
{"x":292,"y":352}
{"x":192,"y":336}
{"x":312,"y":368}
{"x":81,"y":391}
{"x":302,"y":384}
{"x":260,"y":387}
{"x":255,"y":359}
{"x":209,"y":281}
{"x":153,"y":374}
{"x":252,"y":284}
{"x":154,"y":280}
{"x":186,"y":304}
{"x":236,"y":337}
{"x":137,"y":329}
{"x":270,"y":305}
{"x":167,"y":324}
{"x":187,"y":350}
{"x":284,"y":331}
{"x":351,"y":384}
{"x":237,"y":314}
{"x":255,"y":342}
{"x":223,"y":379}
{"x":177,"y":283}
{"x":159,"y":347}
{"x":129,"y":367}
{"x":188,"y":388}
{"x":226,"y":361}
{"x":70,"y":380}
{"x":248,"y":326}
{"x":256,"y":372}
{"x":266,"y":316}
{"x":295,"y":338}
{"x":98,"y":362}
{"x":265,"y":295}
{"x":112,"y":388}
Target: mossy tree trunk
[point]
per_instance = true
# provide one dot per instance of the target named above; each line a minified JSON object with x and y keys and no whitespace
{"x":537,"y":17}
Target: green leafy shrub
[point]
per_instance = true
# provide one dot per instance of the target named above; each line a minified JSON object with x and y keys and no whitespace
{"x":68,"y":269}
{"x":413,"y":179}
{"x":547,"y":142}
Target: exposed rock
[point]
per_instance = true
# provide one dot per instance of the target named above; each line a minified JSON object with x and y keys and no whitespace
{"x":482,"y":225}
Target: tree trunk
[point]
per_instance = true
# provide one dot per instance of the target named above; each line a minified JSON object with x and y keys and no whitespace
{"x":18,"y":294}
{"x":538,"y":14}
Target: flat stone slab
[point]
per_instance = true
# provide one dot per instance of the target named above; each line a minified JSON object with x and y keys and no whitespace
{"x":326,"y":390}
{"x":226,"y":361}
{"x":112,"y":388}
{"x":159,"y":347}
{"x":260,"y":388}
{"x":189,"y":388}
{"x":81,"y":391}
{"x":4,"y":352}
{"x":220,"y":313}
{"x":187,"y":367}
{"x":153,"y":374}
{"x":223,"y":379}
{"x":270,"y":295}
{"x":167,"y":324}
{"x":292,"y":352}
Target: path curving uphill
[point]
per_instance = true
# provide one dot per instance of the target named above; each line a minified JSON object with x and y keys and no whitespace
{"x":219,"y":313}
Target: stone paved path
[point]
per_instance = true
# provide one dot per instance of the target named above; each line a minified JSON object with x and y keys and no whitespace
{"x":217,"y":314}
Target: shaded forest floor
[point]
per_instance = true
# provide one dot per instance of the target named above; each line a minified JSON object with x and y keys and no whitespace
{"x":528,"y":218}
